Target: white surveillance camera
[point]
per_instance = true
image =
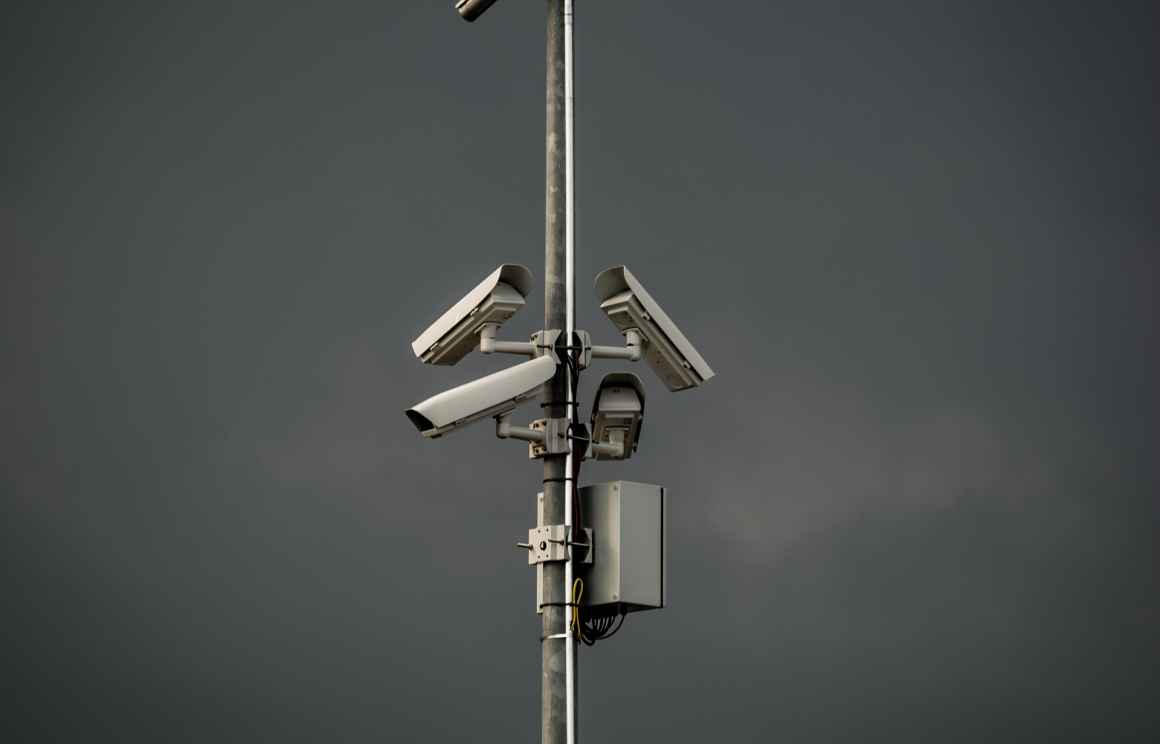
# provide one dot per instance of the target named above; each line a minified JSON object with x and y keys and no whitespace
{"x":494,"y":395}
{"x":666,"y":349}
{"x":456,"y":333}
{"x":617,"y":413}
{"x":472,"y":9}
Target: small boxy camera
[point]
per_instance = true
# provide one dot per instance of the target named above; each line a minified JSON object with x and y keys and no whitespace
{"x":617,"y":413}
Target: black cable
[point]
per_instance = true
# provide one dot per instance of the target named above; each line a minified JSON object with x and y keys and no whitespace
{"x":573,"y":404}
{"x":601,"y":627}
{"x":618,"y":626}
{"x":574,"y":379}
{"x":591,"y":629}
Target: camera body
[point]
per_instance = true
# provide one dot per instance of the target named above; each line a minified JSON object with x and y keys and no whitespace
{"x":617,"y":413}
{"x":456,"y":333}
{"x":494,"y":395}
{"x":630,"y":307}
{"x":469,"y":10}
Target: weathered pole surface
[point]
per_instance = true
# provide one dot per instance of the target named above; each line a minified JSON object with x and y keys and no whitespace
{"x":553,"y":684}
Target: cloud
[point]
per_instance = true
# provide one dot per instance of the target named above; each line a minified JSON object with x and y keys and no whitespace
{"x":832,"y":458}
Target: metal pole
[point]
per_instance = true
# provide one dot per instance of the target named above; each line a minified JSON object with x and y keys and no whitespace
{"x":558,"y":647}
{"x":571,"y":672}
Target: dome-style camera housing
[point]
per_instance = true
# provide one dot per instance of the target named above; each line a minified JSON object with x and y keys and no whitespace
{"x":617,"y":413}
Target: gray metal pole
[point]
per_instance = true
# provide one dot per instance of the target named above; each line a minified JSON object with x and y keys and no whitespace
{"x":554,"y":650}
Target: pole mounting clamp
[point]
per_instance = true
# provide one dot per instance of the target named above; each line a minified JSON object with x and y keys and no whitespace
{"x":549,"y":544}
{"x":555,"y":440}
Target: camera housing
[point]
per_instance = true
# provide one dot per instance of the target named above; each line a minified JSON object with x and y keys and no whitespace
{"x":495,"y":395}
{"x":469,"y":10}
{"x":456,"y":333}
{"x":630,"y":307}
{"x":617,"y":413}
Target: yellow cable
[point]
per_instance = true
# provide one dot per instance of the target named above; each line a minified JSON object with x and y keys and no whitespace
{"x":577,"y":593}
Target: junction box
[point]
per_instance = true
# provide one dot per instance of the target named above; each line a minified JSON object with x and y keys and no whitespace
{"x":629,"y":569}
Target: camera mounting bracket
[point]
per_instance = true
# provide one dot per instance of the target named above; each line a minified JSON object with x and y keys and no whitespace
{"x":546,"y":544}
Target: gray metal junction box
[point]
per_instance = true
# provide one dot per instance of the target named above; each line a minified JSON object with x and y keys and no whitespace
{"x":629,"y":566}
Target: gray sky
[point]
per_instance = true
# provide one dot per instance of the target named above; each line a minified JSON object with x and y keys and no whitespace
{"x":917,"y":244}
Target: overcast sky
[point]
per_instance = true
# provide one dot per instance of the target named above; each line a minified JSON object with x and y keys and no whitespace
{"x":918,"y":245}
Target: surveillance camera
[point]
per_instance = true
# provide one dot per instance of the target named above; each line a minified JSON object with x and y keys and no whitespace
{"x":472,"y":9}
{"x":456,"y":333}
{"x":617,"y":413}
{"x":666,"y":349}
{"x":494,"y":395}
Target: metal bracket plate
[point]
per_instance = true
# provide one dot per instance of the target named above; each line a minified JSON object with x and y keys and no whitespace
{"x":545,"y":343}
{"x":555,"y":438}
{"x":584,"y":547}
{"x":546,"y":545}
{"x":583,"y":554}
{"x":585,"y":342}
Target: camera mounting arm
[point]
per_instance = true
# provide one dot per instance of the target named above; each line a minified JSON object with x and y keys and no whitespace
{"x":631,"y":351}
{"x":505,"y":430}
{"x":616,"y":448}
{"x":544,"y":436}
{"x":489,"y":345}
